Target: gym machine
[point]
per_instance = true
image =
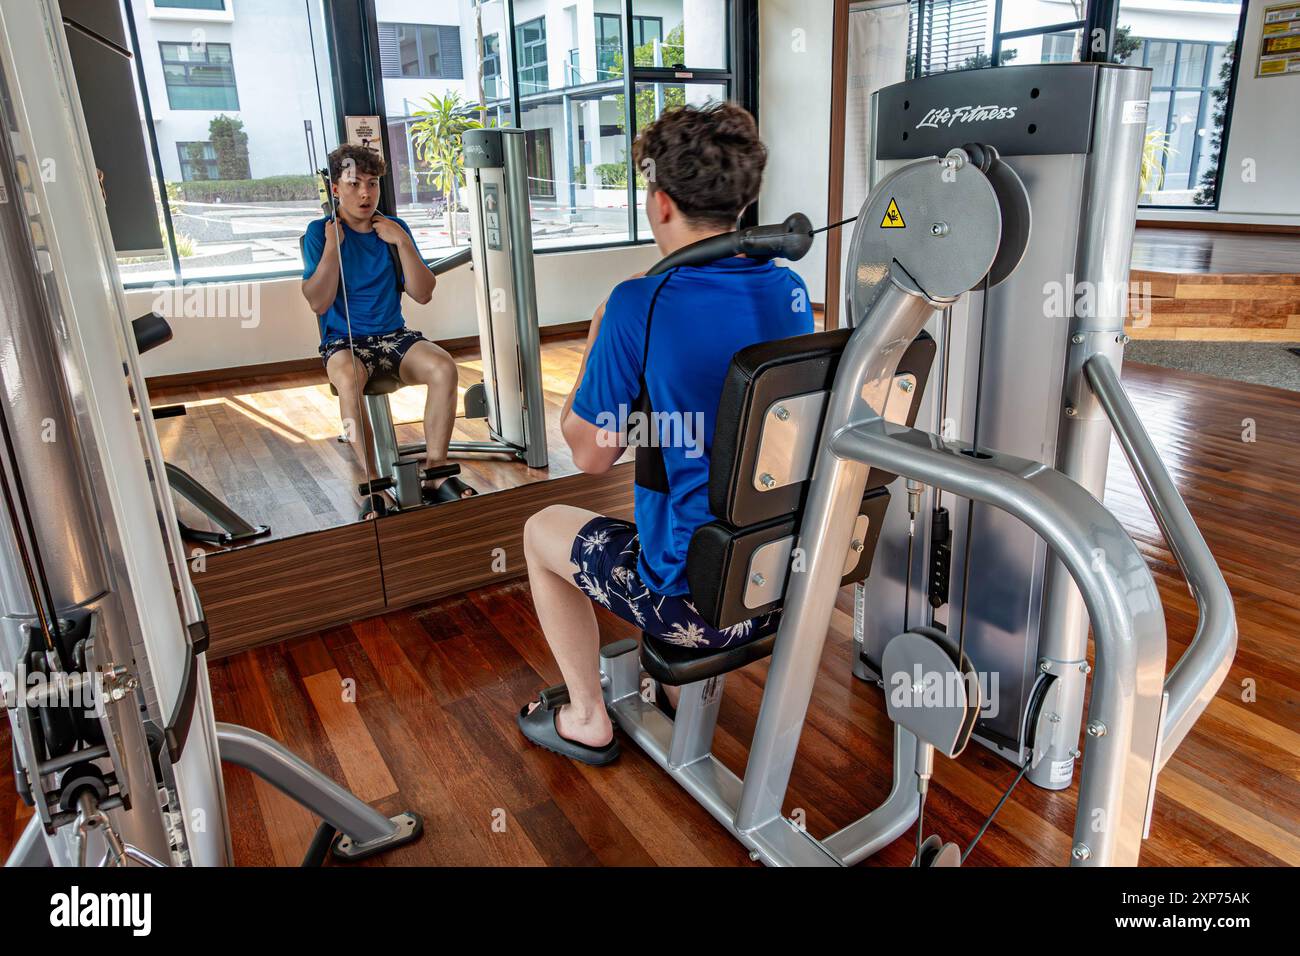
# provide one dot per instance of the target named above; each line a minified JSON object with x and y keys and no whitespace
{"x":102,"y":639}
{"x":812,"y":431}
{"x":510,"y":396}
{"x":229,"y":527}
{"x":1029,"y":365}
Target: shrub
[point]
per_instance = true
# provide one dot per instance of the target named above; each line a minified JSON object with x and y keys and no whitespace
{"x":230,"y":143}
{"x":267,"y":189}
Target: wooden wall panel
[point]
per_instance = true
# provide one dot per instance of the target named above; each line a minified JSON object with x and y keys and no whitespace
{"x":1218,"y":307}
{"x":433,"y":552}
{"x":270,"y":591}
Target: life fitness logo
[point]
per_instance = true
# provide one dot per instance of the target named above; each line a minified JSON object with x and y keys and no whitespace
{"x":951,"y":116}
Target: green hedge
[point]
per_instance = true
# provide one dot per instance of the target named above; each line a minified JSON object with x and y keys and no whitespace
{"x":269,"y":189}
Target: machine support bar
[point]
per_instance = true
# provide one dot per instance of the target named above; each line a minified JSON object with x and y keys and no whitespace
{"x":882,"y":826}
{"x":1196,"y":678}
{"x":865,"y":373}
{"x":1122,"y":601}
{"x":296,"y":778}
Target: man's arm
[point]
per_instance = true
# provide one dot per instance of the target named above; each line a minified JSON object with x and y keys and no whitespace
{"x":417,"y":280}
{"x":613,"y":360}
{"x":321,"y":289}
{"x":594,"y":449}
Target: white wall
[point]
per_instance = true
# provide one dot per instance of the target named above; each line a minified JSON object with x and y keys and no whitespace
{"x":1265,"y":134}
{"x":282,"y":328}
{"x":794,"y":96}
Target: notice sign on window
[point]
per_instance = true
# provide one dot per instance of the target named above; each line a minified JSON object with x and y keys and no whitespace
{"x":364,"y":131}
{"x":1279,"y":45}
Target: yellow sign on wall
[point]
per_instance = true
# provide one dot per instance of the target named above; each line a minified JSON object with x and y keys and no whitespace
{"x":1279,"y":44}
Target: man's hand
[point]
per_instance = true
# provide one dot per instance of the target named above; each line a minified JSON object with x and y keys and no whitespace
{"x":387,"y":230}
{"x":333,"y":233}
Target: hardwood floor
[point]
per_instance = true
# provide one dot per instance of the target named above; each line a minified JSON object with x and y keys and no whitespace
{"x":268,"y":445}
{"x":1210,"y":285}
{"x":436,"y":688}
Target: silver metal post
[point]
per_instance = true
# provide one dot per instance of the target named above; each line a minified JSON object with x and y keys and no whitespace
{"x":285,"y":771}
{"x":870,"y":358}
{"x":526,"y":317}
{"x":1194,"y":680}
{"x":1083,"y":437}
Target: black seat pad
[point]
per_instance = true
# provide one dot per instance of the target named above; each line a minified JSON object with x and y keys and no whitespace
{"x":675,"y":666}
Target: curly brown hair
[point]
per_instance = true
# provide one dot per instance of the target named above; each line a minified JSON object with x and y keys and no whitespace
{"x":363,"y":160}
{"x":708,"y":159}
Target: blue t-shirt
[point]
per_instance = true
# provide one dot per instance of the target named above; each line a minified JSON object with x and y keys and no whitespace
{"x":368,"y":275}
{"x":702,"y":317}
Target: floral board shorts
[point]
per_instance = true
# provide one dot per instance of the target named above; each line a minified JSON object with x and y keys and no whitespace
{"x":380,"y":354}
{"x":606,"y":550}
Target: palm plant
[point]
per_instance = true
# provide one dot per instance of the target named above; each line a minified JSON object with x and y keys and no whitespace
{"x":1151,"y":176}
{"x":436,"y":137}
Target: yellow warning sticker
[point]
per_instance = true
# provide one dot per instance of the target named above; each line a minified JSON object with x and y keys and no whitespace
{"x":893,"y":218}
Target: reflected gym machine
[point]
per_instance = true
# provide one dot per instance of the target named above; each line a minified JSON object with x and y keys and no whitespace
{"x":102,"y":639}
{"x":810,"y":445}
{"x":510,"y":396}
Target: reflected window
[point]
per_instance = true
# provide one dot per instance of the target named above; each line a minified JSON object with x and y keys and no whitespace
{"x":492,"y":87}
{"x":531,"y":40}
{"x":199,"y":76}
{"x":198,"y":161}
{"x":425,"y":51}
{"x":1191,"y":61}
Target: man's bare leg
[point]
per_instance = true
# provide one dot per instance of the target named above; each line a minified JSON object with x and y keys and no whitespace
{"x":568,"y":621}
{"x":431,"y":366}
{"x":348,"y":376}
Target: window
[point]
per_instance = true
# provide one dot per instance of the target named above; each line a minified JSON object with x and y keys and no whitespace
{"x":953,"y":35}
{"x":687,"y":34}
{"x":198,"y":161}
{"x":199,"y":76}
{"x":427,"y":51}
{"x":530,"y":38}
{"x":191,"y":4}
{"x":609,"y":43}
{"x":234,"y":177}
{"x":492,"y":66}
{"x":541,"y":174}
{"x":1191,"y":57}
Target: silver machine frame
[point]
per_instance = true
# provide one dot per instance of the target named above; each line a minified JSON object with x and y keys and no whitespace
{"x":900,"y":280}
{"x":510,"y":396}
{"x":96,"y":504}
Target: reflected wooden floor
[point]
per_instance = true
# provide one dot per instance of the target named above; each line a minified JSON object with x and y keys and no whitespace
{"x":1214,"y":251}
{"x":437,"y":687}
{"x":269,"y":446}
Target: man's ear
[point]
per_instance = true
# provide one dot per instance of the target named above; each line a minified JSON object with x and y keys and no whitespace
{"x":664,"y":206}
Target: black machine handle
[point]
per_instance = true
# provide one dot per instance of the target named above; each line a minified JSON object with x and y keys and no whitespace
{"x":786,"y":240}
{"x":151,"y":331}
{"x":453,"y":261}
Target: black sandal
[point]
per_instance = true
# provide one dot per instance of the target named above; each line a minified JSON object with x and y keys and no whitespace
{"x":451,"y":489}
{"x":539,"y":727}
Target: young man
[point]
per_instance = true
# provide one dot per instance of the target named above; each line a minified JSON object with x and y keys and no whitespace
{"x":673,"y":335}
{"x":363,"y":332}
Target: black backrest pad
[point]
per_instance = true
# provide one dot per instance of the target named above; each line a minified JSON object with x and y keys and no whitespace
{"x":761,"y":375}
{"x":718,"y":561}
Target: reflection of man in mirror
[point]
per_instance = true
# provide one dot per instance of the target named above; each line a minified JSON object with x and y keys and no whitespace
{"x":356,"y":265}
